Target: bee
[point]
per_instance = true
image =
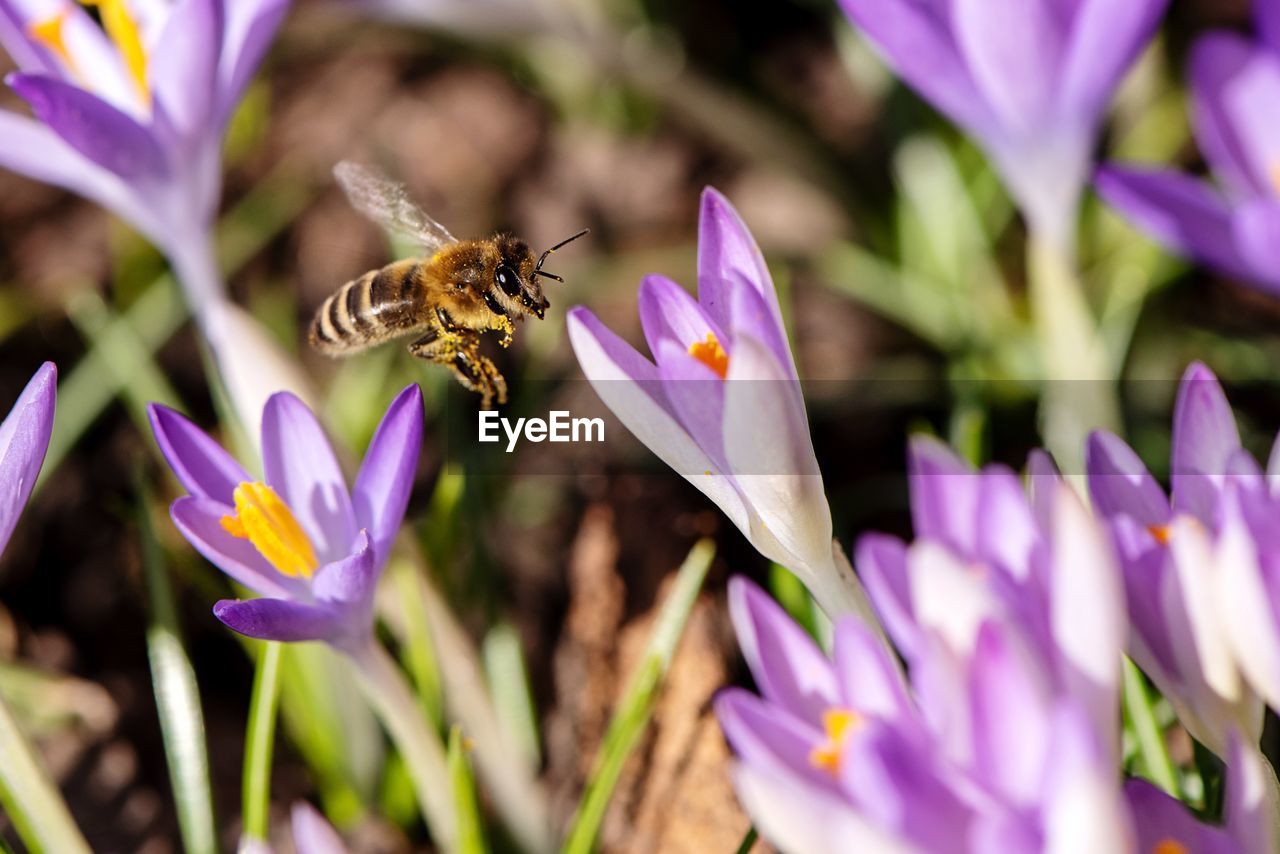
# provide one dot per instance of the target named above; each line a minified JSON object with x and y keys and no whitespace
{"x":456,"y":292}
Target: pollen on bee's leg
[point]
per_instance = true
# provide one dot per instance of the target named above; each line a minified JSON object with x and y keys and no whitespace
{"x":264,"y":519}
{"x":710,"y":353}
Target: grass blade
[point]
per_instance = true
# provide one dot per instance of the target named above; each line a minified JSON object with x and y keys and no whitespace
{"x":470,"y":828}
{"x":633,"y":712}
{"x":1141,"y":715}
{"x":30,"y":799}
{"x":177,"y":701}
{"x":510,"y":690}
{"x":259,"y":743}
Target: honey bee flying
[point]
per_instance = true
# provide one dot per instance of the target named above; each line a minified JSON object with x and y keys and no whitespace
{"x":449,"y":297}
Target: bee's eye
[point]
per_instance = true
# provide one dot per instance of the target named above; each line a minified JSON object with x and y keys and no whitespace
{"x":508,"y":281}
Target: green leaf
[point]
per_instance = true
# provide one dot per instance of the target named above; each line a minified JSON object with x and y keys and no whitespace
{"x":1139,"y":709}
{"x":509,"y":686}
{"x":470,"y":827}
{"x":633,"y":712}
{"x":177,"y":701}
{"x":30,"y":799}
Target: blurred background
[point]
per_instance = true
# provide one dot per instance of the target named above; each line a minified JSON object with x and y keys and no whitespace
{"x":900,"y":264}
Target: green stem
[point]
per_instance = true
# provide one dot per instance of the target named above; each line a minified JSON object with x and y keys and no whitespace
{"x":1079,"y":380}
{"x":259,"y":743}
{"x":1151,"y":744}
{"x":423,"y":752}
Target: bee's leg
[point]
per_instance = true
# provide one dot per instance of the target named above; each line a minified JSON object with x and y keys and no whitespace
{"x":460,"y":354}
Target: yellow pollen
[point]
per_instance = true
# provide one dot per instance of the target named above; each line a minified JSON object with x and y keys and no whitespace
{"x":1162,"y":533}
{"x":1170,"y":846}
{"x":264,"y":519}
{"x":123,"y":30}
{"x":49,"y":33}
{"x":711,"y":354}
{"x":840,"y":724}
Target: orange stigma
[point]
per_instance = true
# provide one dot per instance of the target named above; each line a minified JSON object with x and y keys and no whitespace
{"x":1162,"y":533}
{"x":1170,"y":846}
{"x":264,"y":519}
{"x":711,"y":354}
{"x":840,"y":725}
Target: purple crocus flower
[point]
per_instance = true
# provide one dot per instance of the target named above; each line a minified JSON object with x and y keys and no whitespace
{"x":312,"y":834}
{"x":24,"y":438}
{"x":131,"y":114}
{"x":1232,"y":223}
{"x":1179,"y":632}
{"x":721,"y":402}
{"x":986,"y":550}
{"x":312,"y":548}
{"x":1029,"y":79}
{"x":981,"y":754}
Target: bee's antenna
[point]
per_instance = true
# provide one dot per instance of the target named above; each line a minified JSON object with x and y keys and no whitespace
{"x":537,"y":270}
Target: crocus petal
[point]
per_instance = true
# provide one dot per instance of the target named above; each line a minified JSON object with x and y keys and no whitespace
{"x":1204,"y":439}
{"x":1012,"y":48}
{"x":944,"y":494}
{"x":1266,"y":20}
{"x":1087,"y":612}
{"x":630,"y":386}
{"x":869,"y":681}
{"x":1006,"y":528}
{"x":280,"y":619}
{"x":1248,"y":809}
{"x":882,"y":566}
{"x":16,"y":41}
{"x":768,"y":736}
{"x":201,"y":465}
{"x":32,"y":149}
{"x":787,"y":665}
{"x":950,"y":597}
{"x":1043,"y":478}
{"x":796,"y":817}
{"x":350,"y":580}
{"x":96,"y":129}
{"x":1081,"y":808}
{"x":1119,"y":483}
{"x":300,"y":465}
{"x":1230,"y":77}
{"x":184,"y":64}
{"x":916,"y":41}
{"x":1010,"y":716}
{"x":248,"y":31}
{"x":24,"y":438}
{"x":381,"y":493}
{"x":1257,"y":232}
{"x":200,"y":521}
{"x":727,"y":257}
{"x":1183,"y":213}
{"x":1159,"y":818}
{"x":753,"y":317}
{"x":697,"y":395}
{"x":669,"y":313}
{"x":1106,"y":38}
{"x":1248,"y":613}
{"x":311,"y":833}
{"x":768,"y":448}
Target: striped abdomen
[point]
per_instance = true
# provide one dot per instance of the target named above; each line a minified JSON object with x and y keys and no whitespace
{"x":375,"y":308}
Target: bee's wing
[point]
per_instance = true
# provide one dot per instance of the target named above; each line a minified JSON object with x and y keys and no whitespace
{"x":387,"y":203}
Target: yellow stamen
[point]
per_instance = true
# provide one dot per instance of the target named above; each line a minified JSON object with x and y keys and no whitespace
{"x":49,"y":33}
{"x":711,"y":354}
{"x":123,"y":30}
{"x":1170,"y":846}
{"x":1162,"y":533}
{"x":265,"y":520}
{"x":840,"y":725}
